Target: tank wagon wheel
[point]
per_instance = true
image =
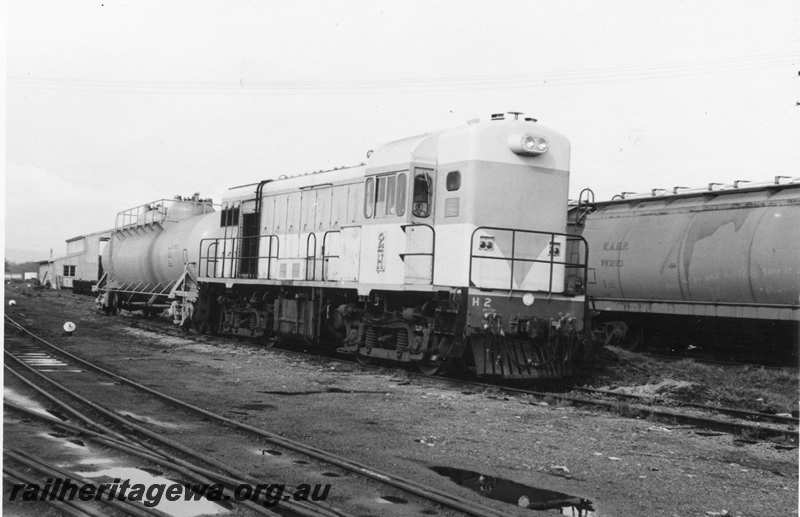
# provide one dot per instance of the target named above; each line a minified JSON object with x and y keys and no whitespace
{"x":111,"y":307}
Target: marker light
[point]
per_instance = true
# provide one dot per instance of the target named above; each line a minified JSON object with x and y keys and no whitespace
{"x":528,"y":145}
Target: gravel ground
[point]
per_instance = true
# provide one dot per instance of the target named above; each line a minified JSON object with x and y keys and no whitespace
{"x":395,"y":420}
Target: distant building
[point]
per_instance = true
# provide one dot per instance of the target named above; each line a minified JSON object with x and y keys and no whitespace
{"x":80,"y":267}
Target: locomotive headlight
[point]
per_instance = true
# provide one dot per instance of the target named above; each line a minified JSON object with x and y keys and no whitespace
{"x":528,"y":299}
{"x":528,"y":145}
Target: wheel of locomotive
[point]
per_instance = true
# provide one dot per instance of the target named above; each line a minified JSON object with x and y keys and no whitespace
{"x":365,"y":360}
{"x":268,"y":340}
{"x":436,"y":361}
{"x":291,"y":341}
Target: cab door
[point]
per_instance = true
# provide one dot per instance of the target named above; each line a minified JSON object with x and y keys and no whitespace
{"x":420,"y":250}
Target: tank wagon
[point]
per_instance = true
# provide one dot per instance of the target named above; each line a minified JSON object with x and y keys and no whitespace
{"x":719,"y":266}
{"x":445,"y":249}
{"x":146,"y":262}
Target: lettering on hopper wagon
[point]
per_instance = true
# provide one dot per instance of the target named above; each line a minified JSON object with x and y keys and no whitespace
{"x":615,"y":245}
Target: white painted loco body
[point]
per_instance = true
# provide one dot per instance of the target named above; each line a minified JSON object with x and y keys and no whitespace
{"x":437,"y":210}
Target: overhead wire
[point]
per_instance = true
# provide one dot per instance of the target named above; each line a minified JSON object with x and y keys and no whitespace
{"x":573,"y":77}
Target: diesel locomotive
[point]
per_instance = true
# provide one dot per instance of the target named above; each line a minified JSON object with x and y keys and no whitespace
{"x":445,"y":249}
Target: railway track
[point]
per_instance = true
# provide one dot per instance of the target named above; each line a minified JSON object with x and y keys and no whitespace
{"x":130,"y":436}
{"x":23,"y":468}
{"x":645,"y":409}
{"x":721,"y":419}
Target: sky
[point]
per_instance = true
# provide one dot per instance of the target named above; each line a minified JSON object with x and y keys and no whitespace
{"x":110,"y":104}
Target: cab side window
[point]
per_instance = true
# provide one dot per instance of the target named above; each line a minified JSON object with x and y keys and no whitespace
{"x":380,"y":197}
{"x":385,"y":196}
{"x":229,"y":216}
{"x":369,"y":197}
{"x":423,"y":194}
{"x":453,"y":181}
{"x":401,"y":194}
{"x":391,"y":182}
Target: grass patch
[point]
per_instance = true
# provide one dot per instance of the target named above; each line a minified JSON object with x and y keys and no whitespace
{"x":743,"y":386}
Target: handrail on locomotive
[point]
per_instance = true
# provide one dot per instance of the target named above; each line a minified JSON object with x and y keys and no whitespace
{"x":431,"y":254}
{"x":235,"y":258}
{"x":513,"y":258}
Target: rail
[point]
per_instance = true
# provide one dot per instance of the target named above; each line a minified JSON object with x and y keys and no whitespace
{"x":445,"y":499}
{"x":431,"y":254}
{"x":214,"y":264}
{"x":513,"y":259}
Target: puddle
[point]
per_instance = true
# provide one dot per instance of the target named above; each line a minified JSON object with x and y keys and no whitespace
{"x":179,"y":508}
{"x":58,"y":414}
{"x":148,"y":420}
{"x":256,"y":405}
{"x":95,"y":461}
{"x":69,"y":444}
{"x":392,"y":499}
{"x":518,"y":494}
{"x":22,"y":400}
